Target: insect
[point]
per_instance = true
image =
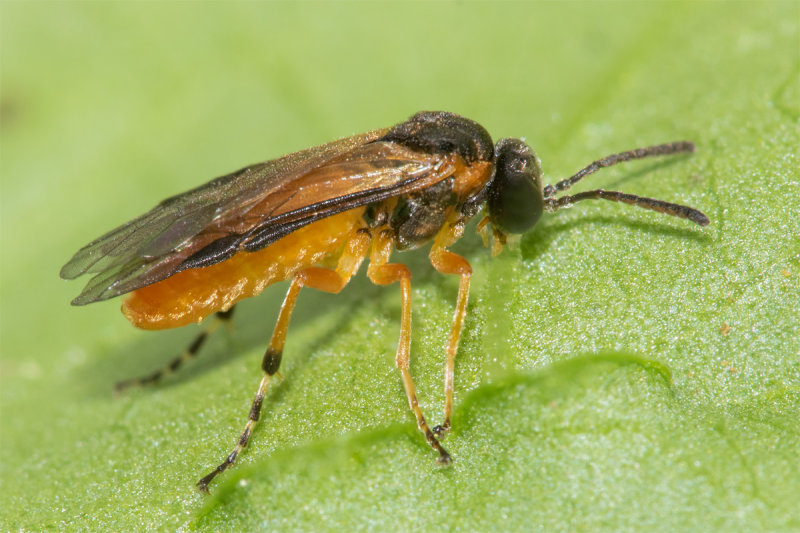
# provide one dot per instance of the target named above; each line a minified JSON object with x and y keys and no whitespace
{"x":198,"y":253}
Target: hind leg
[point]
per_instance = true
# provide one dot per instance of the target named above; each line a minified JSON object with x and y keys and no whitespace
{"x":189,"y":353}
{"x":319,"y":278}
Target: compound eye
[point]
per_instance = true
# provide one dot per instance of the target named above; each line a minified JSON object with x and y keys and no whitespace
{"x":515,"y":198}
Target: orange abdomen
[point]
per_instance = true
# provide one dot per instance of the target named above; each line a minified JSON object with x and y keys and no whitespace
{"x":193,"y":294}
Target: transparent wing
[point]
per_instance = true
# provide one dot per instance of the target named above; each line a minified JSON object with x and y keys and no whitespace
{"x":249,"y":209}
{"x":176,"y":220}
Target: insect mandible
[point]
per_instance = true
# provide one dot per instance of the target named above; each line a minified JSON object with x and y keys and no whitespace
{"x":198,"y":253}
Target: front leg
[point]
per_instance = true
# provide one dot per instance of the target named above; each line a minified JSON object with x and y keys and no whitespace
{"x":449,"y":263}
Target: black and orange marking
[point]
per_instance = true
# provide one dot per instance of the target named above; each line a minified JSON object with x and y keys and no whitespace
{"x":295,"y":217}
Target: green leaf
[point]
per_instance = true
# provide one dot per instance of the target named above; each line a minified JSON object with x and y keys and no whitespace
{"x":619,"y":369}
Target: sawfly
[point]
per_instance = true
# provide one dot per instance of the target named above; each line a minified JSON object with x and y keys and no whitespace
{"x":312,"y":217}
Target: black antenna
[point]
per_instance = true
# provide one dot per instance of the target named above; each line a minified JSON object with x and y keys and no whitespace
{"x":676,"y":210}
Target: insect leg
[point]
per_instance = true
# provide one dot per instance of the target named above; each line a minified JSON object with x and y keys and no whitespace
{"x":381,"y":272}
{"x":175,"y":364}
{"x":449,"y":263}
{"x":319,"y":278}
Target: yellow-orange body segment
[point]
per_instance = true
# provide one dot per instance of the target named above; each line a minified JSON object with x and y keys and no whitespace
{"x":194,"y":294}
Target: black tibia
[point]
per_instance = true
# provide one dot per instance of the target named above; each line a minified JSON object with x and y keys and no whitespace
{"x":177,"y":362}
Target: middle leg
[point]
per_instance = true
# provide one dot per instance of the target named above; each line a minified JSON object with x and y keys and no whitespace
{"x":381,"y":272}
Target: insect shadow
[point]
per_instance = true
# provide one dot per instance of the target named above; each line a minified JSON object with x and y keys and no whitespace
{"x":535,"y":243}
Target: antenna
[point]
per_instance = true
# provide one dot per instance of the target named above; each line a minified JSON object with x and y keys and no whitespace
{"x":676,"y":210}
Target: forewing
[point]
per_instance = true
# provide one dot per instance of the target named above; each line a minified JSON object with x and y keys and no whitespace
{"x":247,"y":210}
{"x":176,"y":220}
